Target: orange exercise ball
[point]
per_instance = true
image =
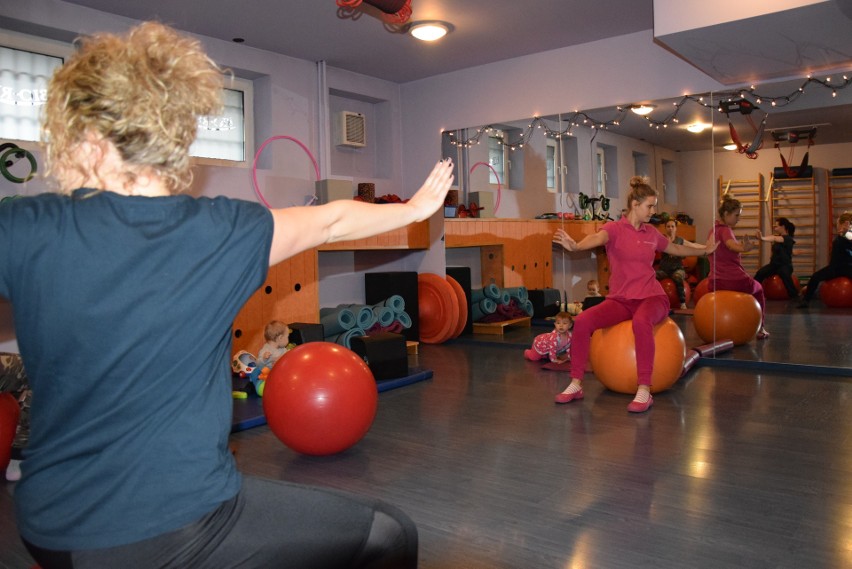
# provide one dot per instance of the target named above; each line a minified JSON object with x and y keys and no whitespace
{"x":836,"y":292}
{"x":727,"y":315}
{"x":320,"y":398}
{"x":774,"y":287}
{"x":613,"y":356}
{"x":700,"y":290}
{"x":670,"y":288}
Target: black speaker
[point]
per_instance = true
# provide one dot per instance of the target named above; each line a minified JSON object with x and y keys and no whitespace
{"x":378,"y":287}
{"x":462,"y":276}
{"x":302,"y":333}
{"x":385,"y":354}
{"x":545,"y":302}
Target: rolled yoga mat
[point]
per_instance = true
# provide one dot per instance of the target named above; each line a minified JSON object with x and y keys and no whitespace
{"x":336,"y":320}
{"x":345,"y":338}
{"x":364,"y":317}
{"x":519,"y":292}
{"x":384,"y":315}
{"x":483,"y":308}
{"x":491,"y":291}
{"x":404,"y":320}
{"x":395,"y":303}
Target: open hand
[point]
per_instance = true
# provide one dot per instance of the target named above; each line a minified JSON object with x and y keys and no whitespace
{"x":565,"y":240}
{"x":431,"y":195}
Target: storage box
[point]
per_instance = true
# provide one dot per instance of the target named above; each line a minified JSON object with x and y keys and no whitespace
{"x":485,"y":201}
{"x":332,"y":189}
{"x":385,"y":353}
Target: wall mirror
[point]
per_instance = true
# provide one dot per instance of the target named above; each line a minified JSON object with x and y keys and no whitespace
{"x":799,"y":122}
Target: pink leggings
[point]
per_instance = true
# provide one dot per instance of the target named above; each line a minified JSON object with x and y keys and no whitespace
{"x":645,"y":312}
{"x":746,"y":285}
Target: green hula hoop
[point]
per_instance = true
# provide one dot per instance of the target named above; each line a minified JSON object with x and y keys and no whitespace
{"x":11,"y":177}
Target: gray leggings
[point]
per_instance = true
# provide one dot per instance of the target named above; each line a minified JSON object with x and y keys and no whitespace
{"x":268,"y":524}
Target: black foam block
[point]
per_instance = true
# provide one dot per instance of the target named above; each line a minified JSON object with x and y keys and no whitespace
{"x":302,"y":333}
{"x":385,"y":354}
{"x":545,"y":301}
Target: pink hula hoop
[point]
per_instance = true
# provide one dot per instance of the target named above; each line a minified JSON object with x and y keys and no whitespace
{"x":257,"y":156}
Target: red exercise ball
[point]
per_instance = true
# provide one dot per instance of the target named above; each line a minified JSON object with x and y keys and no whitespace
{"x":700,"y":290}
{"x":727,"y":315}
{"x":774,"y":287}
{"x":9,"y":413}
{"x":320,"y":398}
{"x":836,"y":292}
{"x":613,"y":356}
{"x":670,"y":287}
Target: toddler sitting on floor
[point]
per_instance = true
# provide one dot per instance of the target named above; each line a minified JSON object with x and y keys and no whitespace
{"x":553,"y":345}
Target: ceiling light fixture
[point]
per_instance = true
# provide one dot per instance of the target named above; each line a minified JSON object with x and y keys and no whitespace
{"x":642,"y":110}
{"x":697,"y":127}
{"x":429,"y":30}
{"x":730,"y":146}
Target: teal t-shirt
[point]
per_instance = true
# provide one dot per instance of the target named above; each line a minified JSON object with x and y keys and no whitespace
{"x":123,"y":309}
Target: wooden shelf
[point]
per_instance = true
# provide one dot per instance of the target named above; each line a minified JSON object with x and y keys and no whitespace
{"x":414,"y":236}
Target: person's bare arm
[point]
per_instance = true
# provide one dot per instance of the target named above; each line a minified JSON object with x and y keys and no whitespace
{"x":598,"y":239}
{"x":298,"y":229}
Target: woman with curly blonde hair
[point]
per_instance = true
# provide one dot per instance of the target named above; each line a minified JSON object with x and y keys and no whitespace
{"x":119,"y":289}
{"x":634,"y":292}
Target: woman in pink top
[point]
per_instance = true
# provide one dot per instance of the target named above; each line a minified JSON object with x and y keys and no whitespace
{"x":634,"y":291}
{"x":726,"y":268}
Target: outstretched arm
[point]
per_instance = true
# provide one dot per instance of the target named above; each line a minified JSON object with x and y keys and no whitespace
{"x":690,"y":249}
{"x":298,"y":229}
{"x":598,"y":239}
{"x":769,"y":238}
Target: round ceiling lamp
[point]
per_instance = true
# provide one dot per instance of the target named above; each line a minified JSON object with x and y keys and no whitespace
{"x":643,"y":109}
{"x":429,"y":30}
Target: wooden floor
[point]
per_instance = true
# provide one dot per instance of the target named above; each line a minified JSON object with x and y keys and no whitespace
{"x":745,"y":463}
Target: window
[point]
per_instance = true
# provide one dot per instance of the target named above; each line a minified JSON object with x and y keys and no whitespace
{"x":227,"y":137}
{"x":600,"y":170}
{"x":551,"y":164}
{"x":26,"y":65}
{"x":496,"y":156}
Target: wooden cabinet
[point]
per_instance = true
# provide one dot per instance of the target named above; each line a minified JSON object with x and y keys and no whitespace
{"x":291,"y":290}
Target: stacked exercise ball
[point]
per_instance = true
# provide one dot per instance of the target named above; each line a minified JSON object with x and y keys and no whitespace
{"x":727,"y":315}
{"x":320,"y":398}
{"x":613,"y":356}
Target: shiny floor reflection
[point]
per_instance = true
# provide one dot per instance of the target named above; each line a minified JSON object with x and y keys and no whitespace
{"x":730,"y":468}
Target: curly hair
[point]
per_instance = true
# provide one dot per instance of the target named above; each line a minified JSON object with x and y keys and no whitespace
{"x":640,"y":189}
{"x":143,"y":92}
{"x":728,"y":204}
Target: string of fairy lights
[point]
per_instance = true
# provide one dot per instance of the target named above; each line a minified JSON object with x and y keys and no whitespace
{"x":582,"y":119}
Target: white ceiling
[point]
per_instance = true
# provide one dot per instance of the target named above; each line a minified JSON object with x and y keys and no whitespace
{"x":493,"y":30}
{"x":484,"y":30}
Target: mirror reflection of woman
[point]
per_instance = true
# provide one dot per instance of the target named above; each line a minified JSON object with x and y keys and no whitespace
{"x":671,"y":266}
{"x":634,"y":292}
{"x":839,"y":263}
{"x":781,"y":259}
{"x":726,"y":269}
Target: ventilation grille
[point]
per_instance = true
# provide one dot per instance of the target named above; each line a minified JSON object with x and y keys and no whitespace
{"x":352,"y":130}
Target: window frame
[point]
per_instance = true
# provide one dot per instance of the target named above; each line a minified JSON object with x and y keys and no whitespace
{"x":63,"y":50}
{"x":39,"y":46}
